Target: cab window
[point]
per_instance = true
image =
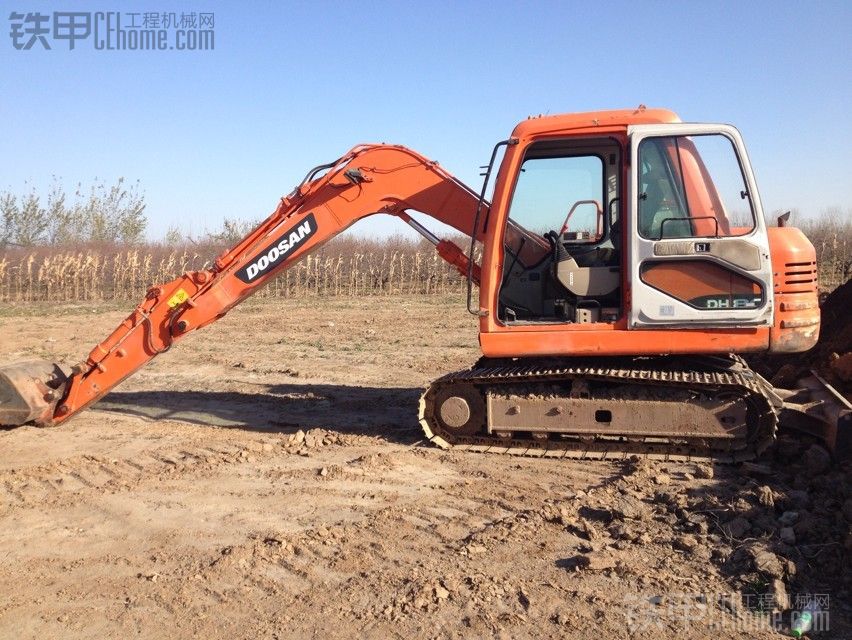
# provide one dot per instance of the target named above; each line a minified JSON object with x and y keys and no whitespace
{"x":548,"y":189}
{"x":692,"y":187}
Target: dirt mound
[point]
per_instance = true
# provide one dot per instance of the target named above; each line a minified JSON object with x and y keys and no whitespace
{"x":835,"y":340}
{"x":832,"y":355}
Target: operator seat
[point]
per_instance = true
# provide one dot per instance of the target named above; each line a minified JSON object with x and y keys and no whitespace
{"x":659,"y":205}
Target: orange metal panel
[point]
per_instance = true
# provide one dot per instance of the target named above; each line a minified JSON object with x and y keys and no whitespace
{"x":794,"y":268}
{"x":609,"y":340}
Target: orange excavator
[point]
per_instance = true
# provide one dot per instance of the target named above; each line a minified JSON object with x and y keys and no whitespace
{"x":625,"y":261}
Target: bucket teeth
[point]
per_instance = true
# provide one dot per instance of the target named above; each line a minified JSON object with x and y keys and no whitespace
{"x":29,"y":392}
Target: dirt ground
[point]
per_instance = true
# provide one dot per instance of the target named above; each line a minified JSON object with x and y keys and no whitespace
{"x":266,"y":478}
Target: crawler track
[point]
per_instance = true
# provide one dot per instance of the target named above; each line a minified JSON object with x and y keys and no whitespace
{"x":729,"y":412}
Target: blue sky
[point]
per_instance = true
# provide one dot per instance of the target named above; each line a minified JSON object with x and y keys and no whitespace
{"x":292,"y":85}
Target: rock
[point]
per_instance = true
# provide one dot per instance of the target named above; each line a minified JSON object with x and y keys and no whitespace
{"x":847,"y":510}
{"x":324,"y":471}
{"x":790,"y":568}
{"x":298,"y":437}
{"x":704,"y":471}
{"x":441,"y":593}
{"x":663,"y":479}
{"x":737,"y":527}
{"x":267,"y":447}
{"x":788,"y":536}
{"x":780,"y":597}
{"x":767,"y":563}
{"x":554,"y":513}
{"x":841,"y":366}
{"x":817,"y":460}
{"x":765,"y":496}
{"x":789,"y":518}
{"x":637,"y":465}
{"x":672,"y":498}
{"x":589,"y":530}
{"x":697,"y":523}
{"x":685,"y":542}
{"x":628,"y":507}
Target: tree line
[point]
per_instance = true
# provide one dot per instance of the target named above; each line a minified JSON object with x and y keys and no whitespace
{"x":101,"y":213}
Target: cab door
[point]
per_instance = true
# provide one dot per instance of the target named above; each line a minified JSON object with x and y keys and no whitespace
{"x":699,"y":253}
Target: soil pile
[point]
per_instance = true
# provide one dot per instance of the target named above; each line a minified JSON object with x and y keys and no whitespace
{"x":832,"y":355}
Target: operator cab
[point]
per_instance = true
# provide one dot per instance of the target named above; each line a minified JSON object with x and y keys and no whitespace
{"x":698,"y":246}
{"x":563,"y":240}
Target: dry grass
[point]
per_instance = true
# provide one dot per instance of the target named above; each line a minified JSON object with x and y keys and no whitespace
{"x":345,"y":267}
{"x":91,"y":274}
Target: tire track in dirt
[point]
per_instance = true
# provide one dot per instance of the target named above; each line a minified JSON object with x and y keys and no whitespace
{"x":77,"y":478}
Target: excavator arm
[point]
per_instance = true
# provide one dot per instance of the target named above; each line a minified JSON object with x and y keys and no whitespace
{"x":369,"y":179}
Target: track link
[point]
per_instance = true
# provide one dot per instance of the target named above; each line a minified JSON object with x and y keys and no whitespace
{"x":706,"y":376}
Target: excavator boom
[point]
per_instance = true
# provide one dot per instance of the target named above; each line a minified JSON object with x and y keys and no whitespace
{"x":369,"y":179}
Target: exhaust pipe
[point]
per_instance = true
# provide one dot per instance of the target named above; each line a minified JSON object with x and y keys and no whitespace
{"x":29,"y":392}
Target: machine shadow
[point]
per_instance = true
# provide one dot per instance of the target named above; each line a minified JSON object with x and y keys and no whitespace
{"x":390,"y":412}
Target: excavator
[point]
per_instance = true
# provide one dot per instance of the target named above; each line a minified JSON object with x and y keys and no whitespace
{"x":625,"y":266}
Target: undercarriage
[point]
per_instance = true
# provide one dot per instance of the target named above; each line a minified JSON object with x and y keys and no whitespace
{"x":671,"y":408}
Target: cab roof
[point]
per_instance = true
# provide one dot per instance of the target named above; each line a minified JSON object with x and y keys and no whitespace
{"x":544,"y":125}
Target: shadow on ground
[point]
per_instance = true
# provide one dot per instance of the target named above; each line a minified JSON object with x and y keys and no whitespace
{"x":389,"y":412}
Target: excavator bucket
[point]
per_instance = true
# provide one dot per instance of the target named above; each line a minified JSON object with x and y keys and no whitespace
{"x":818,"y":409}
{"x":29,"y":392}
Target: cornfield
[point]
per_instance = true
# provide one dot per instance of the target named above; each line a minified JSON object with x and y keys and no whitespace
{"x":344,"y":268}
{"x":127,"y":275}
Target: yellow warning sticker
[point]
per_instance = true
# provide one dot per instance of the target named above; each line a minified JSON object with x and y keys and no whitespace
{"x":179,"y":298}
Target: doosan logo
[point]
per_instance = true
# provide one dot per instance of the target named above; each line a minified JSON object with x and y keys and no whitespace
{"x":286,"y":243}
